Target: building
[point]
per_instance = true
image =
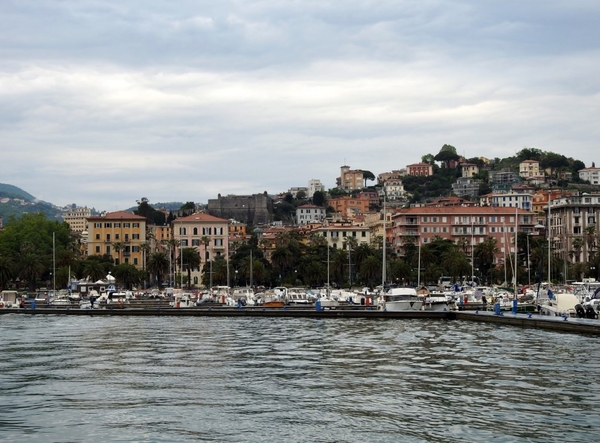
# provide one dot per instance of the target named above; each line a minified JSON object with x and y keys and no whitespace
{"x":256,"y":209}
{"x":420,"y":169}
{"x":530,"y":169}
{"x":77,"y":219}
{"x":504,"y":180}
{"x":473,"y":224}
{"x":591,"y":175}
{"x":396,"y":174}
{"x":337,"y":234}
{"x":573,"y":221}
{"x":512,"y":199}
{"x":393,"y":189}
{"x":314,"y":185}
{"x":372,"y":196}
{"x":118,"y":234}
{"x":208,"y":234}
{"x":469,"y":170}
{"x":306,"y":214}
{"x":296,"y":189}
{"x":346,"y":203}
{"x":466,"y":187}
{"x":350,"y":179}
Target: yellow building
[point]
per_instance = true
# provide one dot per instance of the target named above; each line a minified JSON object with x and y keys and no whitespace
{"x":118,"y":234}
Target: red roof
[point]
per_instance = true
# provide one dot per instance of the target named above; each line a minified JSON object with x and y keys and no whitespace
{"x":118,"y":215}
{"x":200,"y":217}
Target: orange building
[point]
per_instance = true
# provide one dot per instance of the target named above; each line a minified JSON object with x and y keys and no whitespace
{"x":346,"y":203}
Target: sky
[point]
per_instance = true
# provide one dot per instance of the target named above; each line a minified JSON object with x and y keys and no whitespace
{"x":104,"y":102}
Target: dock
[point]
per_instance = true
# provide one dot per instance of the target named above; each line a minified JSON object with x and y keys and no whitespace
{"x":523,"y":320}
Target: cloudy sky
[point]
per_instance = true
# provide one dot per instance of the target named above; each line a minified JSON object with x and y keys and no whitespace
{"x":103,"y":102}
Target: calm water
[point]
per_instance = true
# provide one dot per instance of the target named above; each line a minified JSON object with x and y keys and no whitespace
{"x":78,"y":379}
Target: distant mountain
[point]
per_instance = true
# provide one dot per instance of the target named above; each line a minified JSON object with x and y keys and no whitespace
{"x":15,"y":201}
{"x":10,"y":191}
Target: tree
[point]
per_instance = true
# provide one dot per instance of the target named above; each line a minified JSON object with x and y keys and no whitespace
{"x":94,"y":269}
{"x":118,"y":246}
{"x":446,"y":155}
{"x":126,"y":274}
{"x":191,"y":260}
{"x":6,"y":271}
{"x":188,"y":206}
{"x":318,"y":198}
{"x":368,"y":175}
{"x":301,"y":195}
{"x":158,"y":264}
{"x":428,"y":158}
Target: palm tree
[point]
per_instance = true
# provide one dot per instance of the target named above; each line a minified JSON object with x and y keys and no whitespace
{"x":118,"y":246}
{"x":281,"y":259}
{"x":31,"y":266}
{"x":6,"y":270}
{"x":158,"y":264}
{"x":126,"y":274}
{"x":93,"y":269}
{"x":370,"y":270}
{"x":191,"y":260}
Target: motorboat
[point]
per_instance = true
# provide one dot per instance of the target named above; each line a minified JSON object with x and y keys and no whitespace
{"x":401,"y":299}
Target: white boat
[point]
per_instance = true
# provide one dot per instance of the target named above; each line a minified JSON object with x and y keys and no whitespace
{"x":401,"y":299}
{"x":299,"y":297}
{"x":435,"y":302}
{"x":559,"y":304}
{"x":242,"y":295}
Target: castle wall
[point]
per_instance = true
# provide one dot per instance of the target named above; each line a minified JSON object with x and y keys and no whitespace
{"x":253,"y":209}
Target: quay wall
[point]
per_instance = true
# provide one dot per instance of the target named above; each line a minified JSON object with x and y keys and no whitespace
{"x":558,"y":324}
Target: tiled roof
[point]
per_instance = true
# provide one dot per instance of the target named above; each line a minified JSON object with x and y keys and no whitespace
{"x":200,"y":217}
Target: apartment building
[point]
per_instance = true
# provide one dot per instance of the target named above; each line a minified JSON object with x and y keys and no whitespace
{"x":306,"y":214}
{"x":530,"y":169}
{"x":474,"y":224}
{"x":208,"y":234}
{"x":76,"y":218}
{"x":350,"y":179}
{"x":573,"y":226}
{"x":337,"y":234}
{"x":345,"y":204}
{"x":591,"y":175}
{"x":118,"y":234}
{"x":314,"y":185}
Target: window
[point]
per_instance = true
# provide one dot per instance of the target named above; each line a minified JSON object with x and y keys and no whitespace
{"x":218,"y":242}
{"x":108,"y":225}
{"x":97,"y":249}
{"x":135,"y":261}
{"x":108,"y":250}
{"x":363,"y":234}
{"x":126,"y":237}
{"x":107,"y":237}
{"x":117,"y":236}
{"x":117,"y":225}
{"x":182,"y":230}
{"x":184,"y":243}
{"x":195,"y":242}
{"x":136,"y":225}
{"x":98,"y":238}
{"x":135,"y":236}
{"x":127,"y":225}
{"x":97,"y":225}
{"x":206,"y":231}
{"x":195,"y":232}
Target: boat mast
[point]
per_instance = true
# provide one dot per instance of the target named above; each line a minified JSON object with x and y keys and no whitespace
{"x":327,"y":236}
{"x":549,"y":232}
{"x":419,"y":266}
{"x":54,"y":264}
{"x":516,"y":232}
{"x":383,"y":276}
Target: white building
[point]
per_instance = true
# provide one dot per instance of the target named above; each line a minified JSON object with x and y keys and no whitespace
{"x":314,"y":185}
{"x":306,"y":214}
{"x":512,"y":199}
{"x":77,"y":219}
{"x":591,"y":175}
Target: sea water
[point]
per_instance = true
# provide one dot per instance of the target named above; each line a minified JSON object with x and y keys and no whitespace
{"x":170,"y":379}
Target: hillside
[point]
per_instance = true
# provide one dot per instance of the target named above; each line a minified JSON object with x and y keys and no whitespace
{"x":15,"y":201}
{"x":10,"y":191}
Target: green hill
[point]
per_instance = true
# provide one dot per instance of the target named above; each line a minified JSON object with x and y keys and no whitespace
{"x":21,"y":202}
{"x":11,"y":191}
